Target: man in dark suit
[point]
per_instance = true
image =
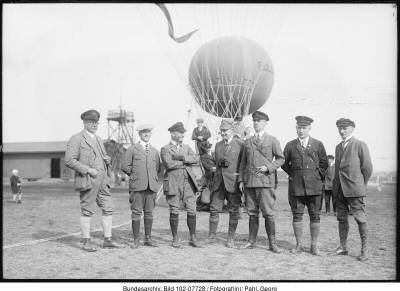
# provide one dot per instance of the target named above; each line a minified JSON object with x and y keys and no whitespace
{"x":262,"y":155}
{"x":87,"y":156}
{"x":228,"y":153}
{"x":353,"y":168}
{"x":180,"y":182}
{"x":305,"y":163}
{"x":141,"y":162}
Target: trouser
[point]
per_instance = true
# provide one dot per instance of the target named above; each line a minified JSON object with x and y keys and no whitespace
{"x":217,"y":202}
{"x":328,"y":198}
{"x":260,"y":199}
{"x":142,"y":201}
{"x":186,"y":197}
{"x":353,"y":205}
{"x":298,"y":203}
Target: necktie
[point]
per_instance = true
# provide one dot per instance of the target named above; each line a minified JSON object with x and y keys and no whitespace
{"x":344,"y":144}
{"x":303,"y":143}
{"x":146,"y":148}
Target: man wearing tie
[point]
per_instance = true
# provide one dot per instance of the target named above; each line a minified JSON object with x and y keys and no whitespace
{"x":305,"y":163}
{"x":353,"y":168}
{"x":262,"y":155}
{"x":180,"y":182}
{"x":141,"y":162}
{"x":87,"y":156}
{"x":228,"y":153}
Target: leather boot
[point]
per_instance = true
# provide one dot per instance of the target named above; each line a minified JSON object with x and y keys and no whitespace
{"x":298,"y":233}
{"x":362,"y":228}
{"x":343,"y":233}
{"x":191,"y":223}
{"x":230,"y":243}
{"x":109,"y":244}
{"x":253,"y":230}
{"x":270,"y":229}
{"x":314,"y":230}
{"x":148,"y":224}
{"x":212,"y":234}
{"x":135,"y":230}
{"x":88,"y":246}
{"x":173,"y":221}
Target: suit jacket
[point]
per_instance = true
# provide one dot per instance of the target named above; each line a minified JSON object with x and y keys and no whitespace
{"x":353,"y":168}
{"x":175,"y":170}
{"x":305,"y":167}
{"x":329,"y":175}
{"x":80,"y":155}
{"x":142,"y":170}
{"x":266,"y":152}
{"x":204,"y":132}
{"x":232,"y":153}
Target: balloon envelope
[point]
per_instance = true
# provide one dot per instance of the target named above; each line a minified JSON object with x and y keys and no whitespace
{"x":231,"y":76}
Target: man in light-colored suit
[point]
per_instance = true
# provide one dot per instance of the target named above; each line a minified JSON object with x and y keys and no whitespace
{"x":141,"y":162}
{"x":228,"y":153}
{"x":262,"y":155}
{"x":305,"y":163}
{"x":353,"y":168}
{"x":180,"y":183}
{"x":87,"y":156}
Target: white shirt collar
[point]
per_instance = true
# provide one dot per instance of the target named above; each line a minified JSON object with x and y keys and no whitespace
{"x":304,"y":140}
{"x":347,"y":138}
{"x":229,"y":140}
{"x":92,"y":135}
{"x":176,"y":144}
{"x":144,"y":143}
{"x":260,"y":134}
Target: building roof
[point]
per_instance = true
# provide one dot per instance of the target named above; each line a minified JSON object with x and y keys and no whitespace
{"x":35,"y":147}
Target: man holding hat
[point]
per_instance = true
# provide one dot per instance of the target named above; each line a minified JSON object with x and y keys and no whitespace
{"x":262,"y":155}
{"x":87,"y":156}
{"x":353,"y":168}
{"x":228,"y":153}
{"x":180,"y":182}
{"x":141,"y":162}
{"x":200,"y":133}
{"x":305,"y":163}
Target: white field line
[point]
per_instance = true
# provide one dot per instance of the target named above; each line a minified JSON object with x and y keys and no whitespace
{"x":32,"y":242}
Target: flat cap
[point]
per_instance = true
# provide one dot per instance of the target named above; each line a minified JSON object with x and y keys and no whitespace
{"x":144,"y":127}
{"x":177,"y":127}
{"x":90,"y":115}
{"x":345,"y":122}
{"x":258,"y":115}
{"x":303,"y":120}
{"x":226,"y":124}
{"x":200,"y":119}
{"x":330,"y":157}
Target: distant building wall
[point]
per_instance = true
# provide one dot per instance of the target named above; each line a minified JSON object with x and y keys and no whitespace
{"x":36,"y":165}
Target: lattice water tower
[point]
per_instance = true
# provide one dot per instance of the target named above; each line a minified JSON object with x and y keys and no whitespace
{"x":120,"y":126}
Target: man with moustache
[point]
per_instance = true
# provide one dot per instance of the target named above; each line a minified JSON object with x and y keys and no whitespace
{"x":228,"y":153}
{"x":180,"y":182}
{"x":305,"y":163}
{"x":262,"y":156}
{"x":353,"y":168}
{"x":141,"y":162}
{"x":87,"y":156}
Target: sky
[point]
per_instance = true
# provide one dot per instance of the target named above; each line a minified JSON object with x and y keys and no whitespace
{"x":330,"y":61}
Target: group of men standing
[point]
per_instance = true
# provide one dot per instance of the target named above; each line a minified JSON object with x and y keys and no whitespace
{"x":246,"y":168}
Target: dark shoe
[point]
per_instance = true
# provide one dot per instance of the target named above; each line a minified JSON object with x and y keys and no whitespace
{"x":314,"y":250}
{"x":211,"y":239}
{"x":109,"y":244}
{"x":274,"y":248}
{"x":339,"y":252}
{"x":363,"y":256}
{"x":149,"y":242}
{"x":88,"y":246}
{"x":249,"y":245}
{"x":135,"y":244}
{"x":176,"y":244}
{"x":19,"y":202}
{"x":193,"y":242}
{"x":297,"y":249}
{"x":230,"y":243}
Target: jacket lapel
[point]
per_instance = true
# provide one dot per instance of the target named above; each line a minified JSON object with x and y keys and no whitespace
{"x":90,"y":141}
{"x":140,"y":148}
{"x":299,"y":147}
{"x":172,"y":148}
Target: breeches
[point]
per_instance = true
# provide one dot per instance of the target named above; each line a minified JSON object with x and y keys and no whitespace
{"x":217,"y":203}
{"x":354,"y":205}
{"x":100,"y":194}
{"x":142,"y":201}
{"x":260,"y":199}
{"x":298,"y":203}
{"x":185,"y":197}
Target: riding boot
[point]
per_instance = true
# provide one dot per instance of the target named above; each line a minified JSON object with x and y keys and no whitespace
{"x":314,"y":230}
{"x":298,"y":233}
{"x":270,"y":229}
{"x":362,"y":228}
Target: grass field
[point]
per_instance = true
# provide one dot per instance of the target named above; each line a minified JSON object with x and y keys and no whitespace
{"x":52,"y":210}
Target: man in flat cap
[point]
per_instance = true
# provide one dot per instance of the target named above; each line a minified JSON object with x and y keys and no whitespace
{"x":353,"y":168}
{"x":180,"y":182}
{"x":262,"y":155}
{"x":141,"y":162}
{"x":200,"y":133}
{"x":329,"y":175}
{"x":305,"y":163}
{"x":228,"y":153}
{"x":87,"y":156}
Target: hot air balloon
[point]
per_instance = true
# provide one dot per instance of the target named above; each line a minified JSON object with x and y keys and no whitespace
{"x":231,"y":76}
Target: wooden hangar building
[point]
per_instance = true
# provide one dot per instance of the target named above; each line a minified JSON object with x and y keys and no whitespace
{"x":36,"y":160}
